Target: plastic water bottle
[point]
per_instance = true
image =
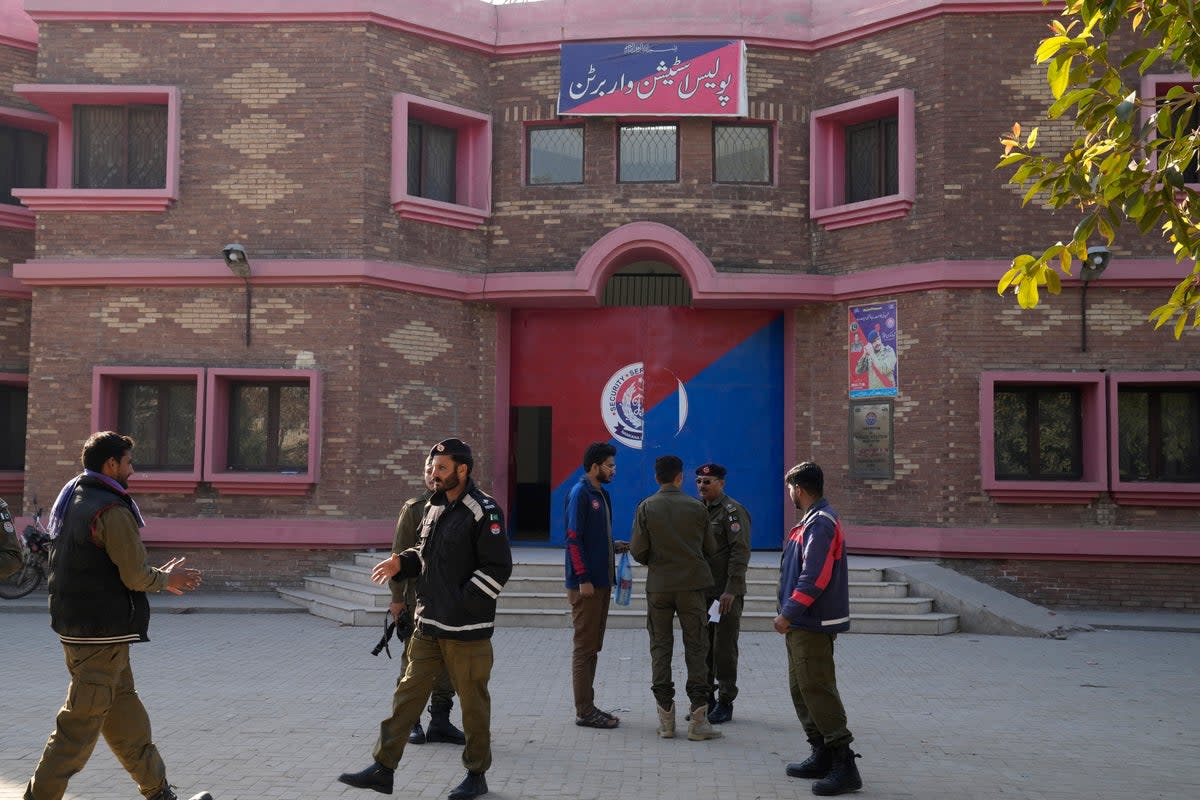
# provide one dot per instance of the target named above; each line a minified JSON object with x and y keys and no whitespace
{"x":624,"y":581}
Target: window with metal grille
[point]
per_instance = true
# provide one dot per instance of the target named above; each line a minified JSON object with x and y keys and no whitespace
{"x":161,"y":418}
{"x":22,"y":162}
{"x":1158,"y":433}
{"x":554,"y":155}
{"x":13,"y":401}
{"x":1038,"y":433}
{"x":872,"y":159}
{"x":268,"y":427}
{"x":649,"y":153}
{"x":647,"y":289}
{"x":120,"y":147}
{"x":431,"y":161}
{"x":741,"y":153}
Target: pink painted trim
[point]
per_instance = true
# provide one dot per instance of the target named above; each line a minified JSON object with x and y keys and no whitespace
{"x":1156,"y":86}
{"x":17,"y":218}
{"x":1156,"y":493}
{"x":271,"y":534}
{"x":473,"y":162}
{"x":501,"y":415}
{"x":1094,"y":414}
{"x":12,"y":288}
{"x":60,"y":100}
{"x":106,"y":387}
{"x":827,"y":164}
{"x":216,"y":435}
{"x":540,"y":27}
{"x":1059,"y":544}
{"x":16,"y":27}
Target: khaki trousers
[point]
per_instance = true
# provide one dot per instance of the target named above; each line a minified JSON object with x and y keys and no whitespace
{"x":723,"y":650}
{"x":662,"y":608}
{"x":101,"y":701}
{"x":442,"y":698}
{"x":813,"y":681}
{"x":589,"y":615}
{"x":470,"y":666}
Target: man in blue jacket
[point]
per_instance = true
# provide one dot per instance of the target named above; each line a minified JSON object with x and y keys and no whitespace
{"x":814,"y":607}
{"x":590,"y":576}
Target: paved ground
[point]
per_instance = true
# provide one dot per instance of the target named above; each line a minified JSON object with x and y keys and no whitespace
{"x":276,"y":705}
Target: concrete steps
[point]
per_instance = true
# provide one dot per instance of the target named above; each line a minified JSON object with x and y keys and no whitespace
{"x":534,"y":597}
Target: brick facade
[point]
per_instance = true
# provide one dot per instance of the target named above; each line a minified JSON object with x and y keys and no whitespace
{"x":286,"y":147}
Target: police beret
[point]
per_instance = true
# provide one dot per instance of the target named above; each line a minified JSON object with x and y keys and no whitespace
{"x":451,"y":447}
{"x":711,"y":470}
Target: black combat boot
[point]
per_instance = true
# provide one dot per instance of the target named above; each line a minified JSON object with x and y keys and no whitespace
{"x":167,"y":793}
{"x":472,"y":786}
{"x":418,"y":735}
{"x":816,"y":765}
{"x":721,"y":712}
{"x":441,"y":729}
{"x":376,"y":776}
{"x":843,"y":774}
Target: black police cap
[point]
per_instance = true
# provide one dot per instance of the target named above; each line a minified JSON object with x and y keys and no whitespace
{"x":711,"y":471}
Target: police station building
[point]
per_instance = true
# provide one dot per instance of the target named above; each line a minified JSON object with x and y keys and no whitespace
{"x":752,"y":232}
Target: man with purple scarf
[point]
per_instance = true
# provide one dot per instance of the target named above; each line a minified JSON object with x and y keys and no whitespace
{"x":98,"y":583}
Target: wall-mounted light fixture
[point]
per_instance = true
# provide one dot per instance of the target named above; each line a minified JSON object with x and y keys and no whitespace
{"x":1097,"y":261}
{"x":239,"y":265}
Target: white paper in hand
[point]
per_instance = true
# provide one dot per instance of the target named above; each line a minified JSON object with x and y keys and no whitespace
{"x":714,"y":611}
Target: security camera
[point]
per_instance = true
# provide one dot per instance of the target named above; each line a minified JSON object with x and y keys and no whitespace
{"x":235,"y":259}
{"x":1097,"y":261}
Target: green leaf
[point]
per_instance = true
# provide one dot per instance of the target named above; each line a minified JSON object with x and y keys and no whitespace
{"x":1126,"y":107}
{"x":1049,"y":47}
{"x":1027,"y":294}
{"x":1179,"y":325}
{"x":1059,"y":75}
{"x":1007,"y":281}
{"x":1053,"y":282}
{"x":1011,"y":158}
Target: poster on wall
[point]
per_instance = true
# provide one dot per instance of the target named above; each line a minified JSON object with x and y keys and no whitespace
{"x":871,"y":445}
{"x":677,"y":79}
{"x":874,"y":371}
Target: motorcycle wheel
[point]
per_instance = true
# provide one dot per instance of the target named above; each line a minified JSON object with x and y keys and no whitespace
{"x":21,"y":582}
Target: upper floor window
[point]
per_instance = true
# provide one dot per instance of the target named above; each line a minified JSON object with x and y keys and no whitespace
{"x":1038,"y":433}
{"x":161,"y":418}
{"x":648,"y":153}
{"x":554,"y":154}
{"x":268,"y":426}
{"x":431,"y":153}
{"x":22,"y":161}
{"x":741,"y":153}
{"x":13,"y":401}
{"x":120,"y":147}
{"x":872,"y":159}
{"x":1159,"y":433}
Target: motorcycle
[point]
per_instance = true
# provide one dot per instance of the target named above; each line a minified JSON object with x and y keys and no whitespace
{"x":35,"y":547}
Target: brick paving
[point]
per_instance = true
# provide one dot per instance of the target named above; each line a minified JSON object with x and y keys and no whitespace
{"x":276,"y":706}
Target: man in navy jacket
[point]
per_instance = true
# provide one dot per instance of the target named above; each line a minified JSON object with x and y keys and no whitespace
{"x":814,"y":606}
{"x":590,"y":576}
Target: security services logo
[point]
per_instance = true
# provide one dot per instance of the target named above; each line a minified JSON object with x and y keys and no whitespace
{"x":621,"y":405}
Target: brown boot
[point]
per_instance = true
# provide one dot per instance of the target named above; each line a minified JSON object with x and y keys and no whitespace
{"x":666,"y":721}
{"x":699,"y":728}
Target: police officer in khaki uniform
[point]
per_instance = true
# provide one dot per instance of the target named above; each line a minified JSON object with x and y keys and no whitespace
{"x":671,"y":537}
{"x":404,"y":601}
{"x":98,"y":607}
{"x":730,"y":524}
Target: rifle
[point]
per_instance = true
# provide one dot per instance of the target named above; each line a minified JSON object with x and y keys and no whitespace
{"x":401,"y":627}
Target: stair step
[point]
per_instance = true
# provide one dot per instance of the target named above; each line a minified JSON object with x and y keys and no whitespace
{"x":365,"y":594}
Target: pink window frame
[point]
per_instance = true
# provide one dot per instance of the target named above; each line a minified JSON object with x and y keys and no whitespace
{"x":1159,"y":493}
{"x":216,"y":436}
{"x":1155,"y":86}
{"x":827,"y":161}
{"x":1093,"y":422}
{"x":59,"y":101}
{"x":106,"y":386}
{"x":473,"y":163}
{"x":12,"y":481}
{"x":18,"y":217}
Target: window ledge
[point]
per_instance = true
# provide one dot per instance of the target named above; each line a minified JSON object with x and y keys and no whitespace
{"x":1044,"y":492}
{"x":262,"y":483}
{"x":12,"y":482}
{"x":452,"y":214}
{"x":17,"y":218}
{"x":1186,"y":495}
{"x":165,"y":482}
{"x":95,"y":199}
{"x":863,"y":213}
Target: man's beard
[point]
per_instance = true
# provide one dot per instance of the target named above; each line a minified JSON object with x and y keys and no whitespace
{"x":448,"y":484}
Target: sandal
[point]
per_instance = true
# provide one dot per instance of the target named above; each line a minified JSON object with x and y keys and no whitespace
{"x":597,"y":719}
